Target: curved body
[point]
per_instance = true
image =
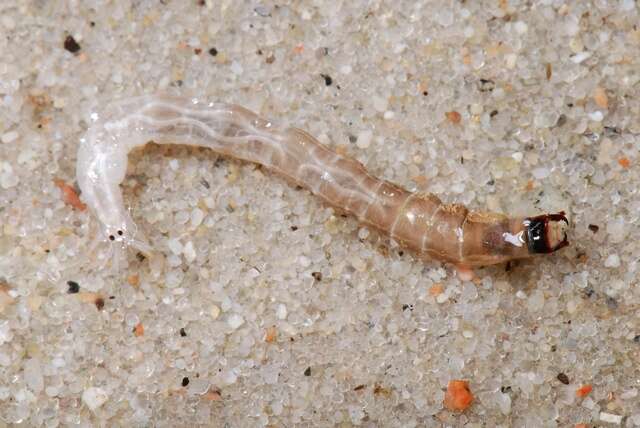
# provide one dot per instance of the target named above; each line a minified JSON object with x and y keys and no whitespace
{"x":419,"y":222}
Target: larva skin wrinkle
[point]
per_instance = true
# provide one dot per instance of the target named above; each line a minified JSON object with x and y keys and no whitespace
{"x":418,"y":221}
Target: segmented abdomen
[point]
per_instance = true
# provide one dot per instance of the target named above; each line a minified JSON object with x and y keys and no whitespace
{"x":420,"y":222}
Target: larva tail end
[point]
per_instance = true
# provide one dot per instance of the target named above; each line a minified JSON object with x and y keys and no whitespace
{"x":547,"y":233}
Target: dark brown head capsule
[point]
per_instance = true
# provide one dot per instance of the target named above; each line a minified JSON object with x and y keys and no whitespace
{"x":546,"y":233}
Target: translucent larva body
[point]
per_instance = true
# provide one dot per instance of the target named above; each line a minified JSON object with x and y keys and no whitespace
{"x":420,"y":222}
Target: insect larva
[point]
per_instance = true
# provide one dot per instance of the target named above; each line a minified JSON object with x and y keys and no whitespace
{"x":418,"y":221}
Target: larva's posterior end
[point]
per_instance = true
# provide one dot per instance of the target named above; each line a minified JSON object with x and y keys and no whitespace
{"x":547,"y":233}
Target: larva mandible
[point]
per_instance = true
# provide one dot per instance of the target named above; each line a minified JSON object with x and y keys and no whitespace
{"x":418,"y":221}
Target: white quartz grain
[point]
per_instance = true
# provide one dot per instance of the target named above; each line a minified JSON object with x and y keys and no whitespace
{"x":94,"y":397}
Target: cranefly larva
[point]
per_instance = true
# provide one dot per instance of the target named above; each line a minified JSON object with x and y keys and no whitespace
{"x":418,"y":221}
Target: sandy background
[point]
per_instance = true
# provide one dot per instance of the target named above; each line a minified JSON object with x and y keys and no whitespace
{"x":269,"y":309}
